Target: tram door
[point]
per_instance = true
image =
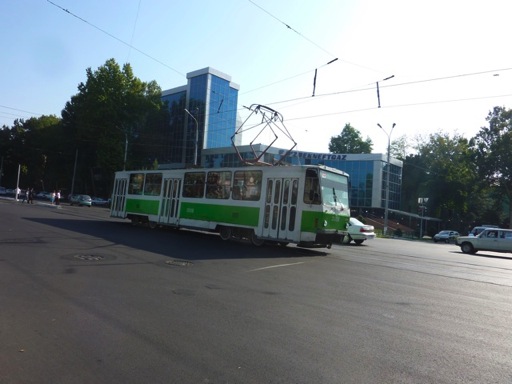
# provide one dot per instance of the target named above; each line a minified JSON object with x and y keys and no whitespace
{"x":170,"y":201}
{"x":280,"y":214}
{"x":118,"y":202}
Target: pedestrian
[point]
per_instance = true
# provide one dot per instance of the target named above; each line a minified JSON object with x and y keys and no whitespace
{"x":57,"y":197}
{"x":24,"y":195}
{"x":30,"y":196}
{"x":52,"y":197}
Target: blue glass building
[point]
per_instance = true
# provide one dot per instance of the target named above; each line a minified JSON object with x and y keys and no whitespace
{"x":211,"y":99}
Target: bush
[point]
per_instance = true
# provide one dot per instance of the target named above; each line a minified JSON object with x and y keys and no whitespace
{"x":398,"y":232}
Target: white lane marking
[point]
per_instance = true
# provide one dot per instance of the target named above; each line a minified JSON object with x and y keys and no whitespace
{"x":275,"y":266}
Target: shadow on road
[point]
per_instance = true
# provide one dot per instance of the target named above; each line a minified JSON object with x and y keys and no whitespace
{"x":481,"y":254}
{"x":189,"y":245}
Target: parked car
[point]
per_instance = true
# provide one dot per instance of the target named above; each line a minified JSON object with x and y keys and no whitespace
{"x":99,"y":201}
{"x":491,"y":239}
{"x":358,"y":232}
{"x":3,"y":191}
{"x":80,"y":200}
{"x":44,"y":195}
{"x":446,"y":236}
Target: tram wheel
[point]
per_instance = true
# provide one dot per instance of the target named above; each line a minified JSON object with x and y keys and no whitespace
{"x":255,"y":240}
{"x":152,"y":224}
{"x":225,"y":233}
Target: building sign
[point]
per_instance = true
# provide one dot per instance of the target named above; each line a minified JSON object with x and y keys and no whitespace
{"x":314,"y":156}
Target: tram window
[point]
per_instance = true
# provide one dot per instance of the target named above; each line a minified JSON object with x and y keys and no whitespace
{"x":136,"y":184}
{"x":286,"y":191}
{"x":218,"y":185}
{"x":311,"y":187}
{"x":247,"y":185}
{"x":293,"y":211}
{"x":295,"y":188}
{"x":193,"y":185}
{"x":153,"y":184}
{"x":269,"y":191}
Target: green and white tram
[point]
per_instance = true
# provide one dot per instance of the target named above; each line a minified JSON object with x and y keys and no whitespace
{"x":305,"y":205}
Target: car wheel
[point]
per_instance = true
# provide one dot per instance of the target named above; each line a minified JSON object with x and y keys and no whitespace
{"x":467,"y":248}
{"x":358,"y":242}
{"x":346,"y":239}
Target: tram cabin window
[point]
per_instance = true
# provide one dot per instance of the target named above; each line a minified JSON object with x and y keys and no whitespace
{"x":312,"y":187}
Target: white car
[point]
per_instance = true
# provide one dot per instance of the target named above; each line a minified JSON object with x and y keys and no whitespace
{"x":358,"y":232}
{"x":491,"y":239}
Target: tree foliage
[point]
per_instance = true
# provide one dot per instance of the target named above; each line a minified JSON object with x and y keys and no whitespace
{"x":35,"y":146}
{"x":399,"y":147}
{"x":450,"y":177}
{"x":113,"y":108}
{"x":492,"y":145}
{"x":350,"y":141}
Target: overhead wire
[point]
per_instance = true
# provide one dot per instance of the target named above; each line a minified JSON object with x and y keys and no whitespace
{"x":291,"y":29}
{"x":116,"y":38}
{"x":133,"y":30}
{"x":371,"y":88}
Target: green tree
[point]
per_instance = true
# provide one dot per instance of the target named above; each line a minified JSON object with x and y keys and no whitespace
{"x":32,"y":145}
{"x":449,"y":177}
{"x":493,"y":160}
{"x":350,"y":141}
{"x":399,"y":147}
{"x":113,"y":110}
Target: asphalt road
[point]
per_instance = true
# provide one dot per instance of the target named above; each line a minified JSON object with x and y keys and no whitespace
{"x":89,"y":299}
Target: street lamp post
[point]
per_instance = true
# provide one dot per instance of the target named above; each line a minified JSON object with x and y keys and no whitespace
{"x":197,"y":135}
{"x":422,"y":201}
{"x":386,"y":206}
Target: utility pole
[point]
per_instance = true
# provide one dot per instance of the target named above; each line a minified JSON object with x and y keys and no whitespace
{"x":386,"y":207}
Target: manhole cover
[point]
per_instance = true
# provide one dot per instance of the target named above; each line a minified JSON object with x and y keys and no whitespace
{"x":89,"y":257}
{"x":179,"y":263}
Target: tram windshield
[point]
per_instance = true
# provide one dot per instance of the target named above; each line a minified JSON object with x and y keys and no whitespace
{"x":334,"y":189}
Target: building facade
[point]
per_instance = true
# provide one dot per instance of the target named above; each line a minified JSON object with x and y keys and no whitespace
{"x":211,"y":99}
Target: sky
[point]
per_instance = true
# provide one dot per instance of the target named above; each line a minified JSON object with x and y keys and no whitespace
{"x":447,"y":62}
